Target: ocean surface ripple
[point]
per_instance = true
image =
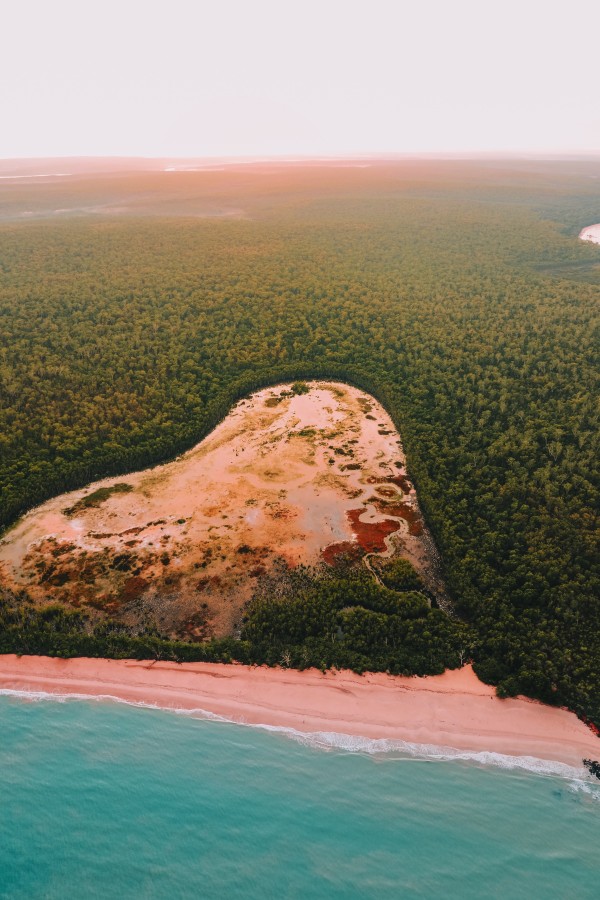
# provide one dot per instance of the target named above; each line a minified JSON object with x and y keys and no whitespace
{"x":102,"y":799}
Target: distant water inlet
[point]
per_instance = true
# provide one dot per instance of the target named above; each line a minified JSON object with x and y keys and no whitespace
{"x":311,"y":473}
{"x":591,"y":233}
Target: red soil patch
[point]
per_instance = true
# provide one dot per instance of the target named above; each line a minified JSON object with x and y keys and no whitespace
{"x":343,"y":549}
{"x":408,"y":513}
{"x":134,"y":587}
{"x":371,"y":535}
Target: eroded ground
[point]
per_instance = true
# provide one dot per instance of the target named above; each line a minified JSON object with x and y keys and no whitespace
{"x":295,"y":477}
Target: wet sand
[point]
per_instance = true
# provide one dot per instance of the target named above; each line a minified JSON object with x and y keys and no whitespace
{"x":591,"y":233}
{"x":451,"y":710}
{"x":292,"y":478}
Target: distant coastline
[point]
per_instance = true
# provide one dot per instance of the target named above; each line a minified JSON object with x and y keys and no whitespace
{"x":453,"y":710}
{"x":591,"y":233}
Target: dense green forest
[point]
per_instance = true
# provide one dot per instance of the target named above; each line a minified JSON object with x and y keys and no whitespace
{"x":342,"y":619}
{"x":456,"y":293}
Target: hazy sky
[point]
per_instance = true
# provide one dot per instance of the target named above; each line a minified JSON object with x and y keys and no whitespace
{"x":270,"y":77}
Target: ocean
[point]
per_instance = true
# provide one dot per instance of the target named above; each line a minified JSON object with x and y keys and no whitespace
{"x":101,"y":799}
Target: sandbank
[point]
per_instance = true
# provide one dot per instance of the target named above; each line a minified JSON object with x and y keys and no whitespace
{"x":591,"y":233}
{"x":451,"y":710}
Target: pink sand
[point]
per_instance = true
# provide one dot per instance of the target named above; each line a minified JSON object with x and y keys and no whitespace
{"x":450,"y":710}
{"x":591,"y":233}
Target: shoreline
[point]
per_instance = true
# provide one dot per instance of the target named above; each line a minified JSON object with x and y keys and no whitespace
{"x":591,"y":234}
{"x":450,"y":711}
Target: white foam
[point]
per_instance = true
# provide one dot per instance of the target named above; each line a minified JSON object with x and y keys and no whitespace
{"x":37,"y":696}
{"x":580,"y":786}
{"x":194,"y":169}
{"x":326,"y":740}
{"x":43,"y":175}
{"x":383,"y":748}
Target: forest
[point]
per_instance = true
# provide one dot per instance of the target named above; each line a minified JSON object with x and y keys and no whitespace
{"x":135,"y":309}
{"x":341,"y":619}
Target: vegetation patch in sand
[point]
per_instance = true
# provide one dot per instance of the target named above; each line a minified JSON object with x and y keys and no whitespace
{"x":97,"y":497}
{"x":296,"y":475}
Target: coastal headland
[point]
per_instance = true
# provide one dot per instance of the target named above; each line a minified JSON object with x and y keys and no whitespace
{"x":453,"y":710}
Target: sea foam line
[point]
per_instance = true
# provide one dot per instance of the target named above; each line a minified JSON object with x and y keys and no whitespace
{"x":42,"y":175}
{"x":35,"y":696}
{"x":331,"y":740}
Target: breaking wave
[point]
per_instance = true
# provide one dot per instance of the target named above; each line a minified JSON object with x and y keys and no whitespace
{"x":383,"y":749}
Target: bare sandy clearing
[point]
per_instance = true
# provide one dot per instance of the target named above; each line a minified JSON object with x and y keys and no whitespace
{"x":591,"y":233}
{"x":292,"y":477}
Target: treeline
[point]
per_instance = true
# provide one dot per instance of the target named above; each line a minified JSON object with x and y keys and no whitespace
{"x":125,"y":340}
{"x":343,"y":621}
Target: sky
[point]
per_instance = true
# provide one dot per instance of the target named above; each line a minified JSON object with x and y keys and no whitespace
{"x":168,"y":78}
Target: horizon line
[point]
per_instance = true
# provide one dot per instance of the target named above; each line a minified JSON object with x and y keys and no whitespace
{"x":322,"y":157}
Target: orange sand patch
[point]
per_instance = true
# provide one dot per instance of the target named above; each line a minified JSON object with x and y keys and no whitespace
{"x":452,"y":710}
{"x":284,"y":477}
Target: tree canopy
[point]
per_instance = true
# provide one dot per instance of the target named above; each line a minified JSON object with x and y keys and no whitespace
{"x":457,"y":294}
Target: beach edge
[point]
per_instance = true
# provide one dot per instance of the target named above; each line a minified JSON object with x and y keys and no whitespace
{"x":454,"y":710}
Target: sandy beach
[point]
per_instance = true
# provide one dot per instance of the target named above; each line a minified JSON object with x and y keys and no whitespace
{"x":450,"y":710}
{"x":591,"y":233}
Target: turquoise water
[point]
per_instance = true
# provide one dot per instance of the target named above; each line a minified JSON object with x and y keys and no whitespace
{"x":99,"y":799}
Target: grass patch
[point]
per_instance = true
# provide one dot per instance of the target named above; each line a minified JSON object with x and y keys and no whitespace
{"x":96,"y":498}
